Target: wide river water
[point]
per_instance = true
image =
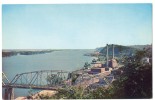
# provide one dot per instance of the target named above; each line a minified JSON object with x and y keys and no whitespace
{"x":68,"y":60}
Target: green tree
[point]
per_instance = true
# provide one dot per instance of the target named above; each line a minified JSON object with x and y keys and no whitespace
{"x":70,"y":93}
{"x":136,"y":80}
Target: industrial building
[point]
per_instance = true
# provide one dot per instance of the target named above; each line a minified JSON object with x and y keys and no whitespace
{"x":98,"y":67}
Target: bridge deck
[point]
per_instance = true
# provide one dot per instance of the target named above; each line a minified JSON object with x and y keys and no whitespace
{"x":34,"y":87}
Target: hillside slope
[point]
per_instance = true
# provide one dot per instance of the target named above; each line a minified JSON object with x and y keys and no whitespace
{"x":120,"y":49}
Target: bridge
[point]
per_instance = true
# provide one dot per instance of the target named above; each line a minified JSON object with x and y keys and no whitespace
{"x":44,"y":79}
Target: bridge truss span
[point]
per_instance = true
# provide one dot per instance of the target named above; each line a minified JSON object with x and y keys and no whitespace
{"x":44,"y":79}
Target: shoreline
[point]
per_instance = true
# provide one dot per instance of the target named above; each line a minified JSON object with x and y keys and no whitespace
{"x":40,"y":93}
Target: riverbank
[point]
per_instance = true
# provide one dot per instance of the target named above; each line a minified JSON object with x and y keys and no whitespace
{"x":43,"y":93}
{"x":47,"y":93}
{"x":8,"y":53}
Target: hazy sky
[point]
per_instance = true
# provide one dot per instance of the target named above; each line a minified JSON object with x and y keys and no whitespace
{"x":80,"y":26}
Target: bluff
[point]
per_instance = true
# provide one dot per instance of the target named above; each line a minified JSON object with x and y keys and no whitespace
{"x":120,"y":49}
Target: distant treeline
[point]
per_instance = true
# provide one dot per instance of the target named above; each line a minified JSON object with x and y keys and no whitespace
{"x":14,"y":53}
{"x":8,"y":54}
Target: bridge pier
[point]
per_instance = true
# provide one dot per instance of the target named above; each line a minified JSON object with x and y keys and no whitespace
{"x":9,"y":94}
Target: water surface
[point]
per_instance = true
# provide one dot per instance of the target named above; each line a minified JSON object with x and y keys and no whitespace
{"x":68,"y":60}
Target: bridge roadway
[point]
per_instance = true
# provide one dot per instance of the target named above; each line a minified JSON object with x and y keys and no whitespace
{"x":32,"y":87}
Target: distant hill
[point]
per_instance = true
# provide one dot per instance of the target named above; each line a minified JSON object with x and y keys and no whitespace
{"x":139,"y":46}
{"x":120,"y":49}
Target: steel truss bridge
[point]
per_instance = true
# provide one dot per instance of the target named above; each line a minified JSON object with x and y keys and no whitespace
{"x":44,"y":79}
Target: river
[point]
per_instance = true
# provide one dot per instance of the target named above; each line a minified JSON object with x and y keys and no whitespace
{"x":68,"y":60}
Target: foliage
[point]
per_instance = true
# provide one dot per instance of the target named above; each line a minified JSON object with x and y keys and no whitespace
{"x":119,"y":49}
{"x":74,"y":77}
{"x":86,"y":65}
{"x":43,"y":96}
{"x":29,"y":97}
{"x":72,"y":93}
{"x":100,"y":93}
{"x":53,"y":79}
{"x":136,"y":81}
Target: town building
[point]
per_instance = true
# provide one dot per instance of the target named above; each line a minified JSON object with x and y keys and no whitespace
{"x":98,"y":67}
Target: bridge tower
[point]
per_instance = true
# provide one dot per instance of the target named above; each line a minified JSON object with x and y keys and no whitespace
{"x":9,"y":91}
{"x":9,"y":94}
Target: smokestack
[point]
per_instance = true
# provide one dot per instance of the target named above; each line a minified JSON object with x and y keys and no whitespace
{"x":113,"y":51}
{"x":107,"y":55}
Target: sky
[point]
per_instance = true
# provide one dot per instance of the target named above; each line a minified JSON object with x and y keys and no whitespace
{"x":75,"y":26}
